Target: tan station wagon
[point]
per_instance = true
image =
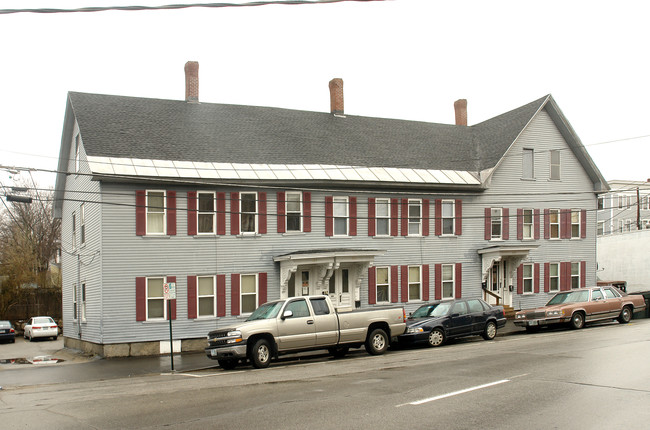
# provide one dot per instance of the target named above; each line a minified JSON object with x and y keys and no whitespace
{"x":581,"y":306}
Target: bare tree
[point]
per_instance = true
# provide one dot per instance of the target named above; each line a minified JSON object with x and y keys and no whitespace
{"x":29,"y":236}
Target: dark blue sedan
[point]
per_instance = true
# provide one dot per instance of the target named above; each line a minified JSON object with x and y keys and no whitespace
{"x":435,"y":322}
{"x":7,"y":332}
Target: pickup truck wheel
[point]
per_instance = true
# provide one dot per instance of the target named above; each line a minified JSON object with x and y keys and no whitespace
{"x":338,"y":351}
{"x":377,"y":342}
{"x":490,"y":331}
{"x":577,"y":321}
{"x":625,"y":316}
{"x":260,"y":354}
{"x":436,"y":337}
{"x":228,"y":364}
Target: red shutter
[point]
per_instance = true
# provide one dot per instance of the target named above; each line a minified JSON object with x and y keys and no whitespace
{"x":234,"y":214}
{"x":221,"y":295}
{"x":520,"y":279}
{"x":191,"y":213}
{"x":329,"y":212}
{"x":547,"y":223}
{"x":520,"y":224}
{"x":425,"y":217}
{"x":353,"y":216}
{"x":425,"y":282}
{"x":505,"y":234}
{"x":140,"y":298}
{"x":583,"y":223}
{"x":140,"y":213}
{"x":437,"y":279}
{"x":282,"y":217}
{"x":371,"y":216}
{"x":394,"y":215}
{"x":405,"y":284}
{"x":306,"y":209}
{"x":221,"y":213}
{"x":394,"y":292}
{"x":372,"y":286}
{"x":191,"y":297}
{"x":488,"y":224}
{"x":262,"y":288}
{"x":583,"y":274}
{"x":438,"y":218}
{"x":172,"y":303}
{"x":171,"y":213}
{"x":459,"y":217}
{"x":565,"y":224}
{"x":234,"y":294}
{"x":536,"y":223}
{"x":459,"y":281}
{"x":536,"y":279}
{"x":405,"y":217}
{"x":564,"y":280}
{"x":547,"y":277}
{"x":261,"y":214}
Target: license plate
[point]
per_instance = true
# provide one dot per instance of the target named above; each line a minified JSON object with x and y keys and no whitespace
{"x":213,"y":352}
{"x":532,"y":322}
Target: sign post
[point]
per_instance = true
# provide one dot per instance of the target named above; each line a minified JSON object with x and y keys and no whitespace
{"x":169,"y":292}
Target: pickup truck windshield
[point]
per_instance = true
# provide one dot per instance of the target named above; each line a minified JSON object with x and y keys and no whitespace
{"x":571,"y":297}
{"x":435,"y":310}
{"x":266,"y":311}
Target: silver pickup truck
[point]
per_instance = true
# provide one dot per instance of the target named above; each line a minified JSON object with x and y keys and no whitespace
{"x":302,"y":324}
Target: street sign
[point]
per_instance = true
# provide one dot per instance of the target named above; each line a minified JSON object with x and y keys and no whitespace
{"x":169,"y":290}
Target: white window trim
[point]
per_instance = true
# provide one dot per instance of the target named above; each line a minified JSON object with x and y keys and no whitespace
{"x":500,"y":220}
{"x":287,"y":212}
{"x":453,"y":281}
{"x":75,"y":309}
{"x":241,"y":294}
{"x":377,"y":284}
{"x":532,"y":224}
{"x":559,"y":165}
{"x":74,"y":230}
{"x":530,"y":151}
{"x":164,"y":212}
{"x":242,"y":213}
{"x":77,"y":150}
{"x":574,"y":276}
{"x":419,"y":203}
{"x":550,"y":277}
{"x":453,"y":218}
{"x":418,"y":281}
{"x":213,"y":213}
{"x":600,"y":228}
{"x":551,"y":224}
{"x":346,"y":203}
{"x":213,"y":295}
{"x":579,"y":223}
{"x":82,"y":225}
{"x":621,"y":225}
{"x":524,"y":278}
{"x":146,"y":296}
{"x":84,"y":293}
{"x":387,"y":217}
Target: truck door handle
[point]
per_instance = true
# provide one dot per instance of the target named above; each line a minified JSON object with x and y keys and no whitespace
{"x":310,"y":321}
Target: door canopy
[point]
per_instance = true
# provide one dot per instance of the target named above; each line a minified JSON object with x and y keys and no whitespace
{"x":493,"y":254}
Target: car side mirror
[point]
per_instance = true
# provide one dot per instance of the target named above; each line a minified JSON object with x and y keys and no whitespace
{"x":287,"y":314}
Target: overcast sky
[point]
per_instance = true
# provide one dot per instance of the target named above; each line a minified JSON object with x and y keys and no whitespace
{"x":406,"y":59}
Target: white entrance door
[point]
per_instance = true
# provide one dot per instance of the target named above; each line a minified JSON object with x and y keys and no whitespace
{"x":499,"y":285}
{"x":504,"y":287}
{"x":300,"y":283}
{"x":339,"y":289}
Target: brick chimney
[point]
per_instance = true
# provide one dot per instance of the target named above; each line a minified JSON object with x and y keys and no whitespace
{"x":192,"y":81}
{"x":460,"y":106}
{"x":336,"y":96}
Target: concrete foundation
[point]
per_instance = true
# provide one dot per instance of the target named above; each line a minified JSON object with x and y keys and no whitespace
{"x":135,"y":349}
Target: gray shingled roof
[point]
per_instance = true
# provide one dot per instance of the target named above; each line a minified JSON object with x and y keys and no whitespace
{"x":131,"y":127}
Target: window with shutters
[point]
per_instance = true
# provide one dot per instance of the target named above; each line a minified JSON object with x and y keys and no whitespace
{"x":155,"y":212}
{"x":555,"y":164}
{"x":528,"y":164}
{"x":448,"y":217}
{"x":206,"y":296}
{"x":528,"y":223}
{"x":294,"y":211}
{"x":496,"y":223}
{"x":415,"y":283}
{"x":575,"y":275}
{"x":527,"y":278}
{"x":448,"y":282}
{"x":382,"y":216}
{"x":248,"y":293}
{"x":248,"y":213}
{"x":156,"y":309}
{"x":575,"y":223}
{"x":383,"y":287}
{"x":340,"y":211}
{"x":554,"y":223}
{"x":554,"y":277}
{"x":414,"y":217}
{"x":206,"y":214}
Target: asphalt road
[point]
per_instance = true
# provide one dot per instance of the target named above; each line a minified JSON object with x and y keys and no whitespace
{"x":598,"y":377}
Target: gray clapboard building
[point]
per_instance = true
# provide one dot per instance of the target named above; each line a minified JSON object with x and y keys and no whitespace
{"x":238,"y":205}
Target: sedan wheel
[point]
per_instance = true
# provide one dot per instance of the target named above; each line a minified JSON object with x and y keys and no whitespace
{"x":436,"y":337}
{"x":577,"y":320}
{"x":490,"y":331}
{"x":625,"y":316}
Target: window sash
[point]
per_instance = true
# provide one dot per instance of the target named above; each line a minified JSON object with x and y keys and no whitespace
{"x":382,"y":216}
{"x":206,"y":213}
{"x":575,"y":223}
{"x":74,"y":230}
{"x":554,"y":277}
{"x":414,"y":217}
{"x":414,"y":283}
{"x":156,"y":220}
{"x":340,"y":212}
{"x":248,"y":293}
{"x":528,"y":278}
{"x":528,"y":164}
{"x":82,"y":213}
{"x":528,"y":223}
{"x":206,"y":303}
{"x":248,"y":212}
{"x":83,"y":302}
{"x":74,"y":302}
{"x":448,"y":281}
{"x":555,"y":164}
{"x":156,"y":309}
{"x":575,"y":275}
{"x":496,"y":221}
{"x":382,"y":285}
{"x":293,"y":211}
{"x":448,"y":217}
{"x":554,"y":223}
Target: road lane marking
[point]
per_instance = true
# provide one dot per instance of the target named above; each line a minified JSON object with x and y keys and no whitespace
{"x":455,"y":393}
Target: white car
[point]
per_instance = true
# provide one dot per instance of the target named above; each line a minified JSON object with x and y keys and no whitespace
{"x":41,"y":327}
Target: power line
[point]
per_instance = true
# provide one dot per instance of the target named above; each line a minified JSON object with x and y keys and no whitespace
{"x":174,"y":6}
